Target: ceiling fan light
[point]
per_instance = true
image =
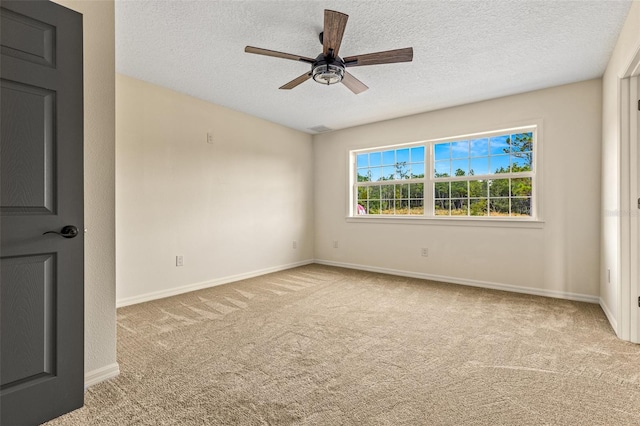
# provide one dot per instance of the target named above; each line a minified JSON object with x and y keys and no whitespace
{"x":328,"y":73}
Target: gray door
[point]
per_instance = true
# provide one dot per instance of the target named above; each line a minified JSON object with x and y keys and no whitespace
{"x":41,"y":189}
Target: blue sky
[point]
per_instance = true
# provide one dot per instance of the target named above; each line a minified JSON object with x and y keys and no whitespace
{"x":391,"y":157}
{"x":482,"y":156}
{"x":472,"y":148}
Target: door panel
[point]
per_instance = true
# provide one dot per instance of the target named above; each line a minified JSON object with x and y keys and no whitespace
{"x":41,"y":189}
{"x":27,"y":326}
{"x":26,"y":160}
{"x":27,"y":38}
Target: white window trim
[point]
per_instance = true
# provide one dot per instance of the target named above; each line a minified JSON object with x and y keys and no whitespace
{"x":479,"y":221}
{"x":535,"y":221}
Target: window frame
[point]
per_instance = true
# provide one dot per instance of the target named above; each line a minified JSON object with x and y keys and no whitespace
{"x":429,"y":180}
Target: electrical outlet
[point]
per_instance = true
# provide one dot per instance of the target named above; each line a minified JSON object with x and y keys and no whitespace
{"x":179,"y":261}
{"x":335,"y":243}
{"x":294,"y":245}
{"x":424,"y":252}
{"x":209,"y":137}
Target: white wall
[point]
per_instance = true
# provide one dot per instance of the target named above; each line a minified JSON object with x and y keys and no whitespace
{"x":231,"y":208}
{"x":99,"y":186}
{"x":560,"y":258}
{"x":615,"y":176}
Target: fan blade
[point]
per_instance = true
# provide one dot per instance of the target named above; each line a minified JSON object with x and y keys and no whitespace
{"x":334,"y":25}
{"x":267,"y":52}
{"x":355,"y":85}
{"x":386,"y":57}
{"x":296,"y":81}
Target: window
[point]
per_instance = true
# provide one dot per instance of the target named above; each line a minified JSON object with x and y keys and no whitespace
{"x":484,"y":175}
{"x":391,"y":182}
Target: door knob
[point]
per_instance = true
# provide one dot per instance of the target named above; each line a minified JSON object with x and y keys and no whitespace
{"x":68,"y":231}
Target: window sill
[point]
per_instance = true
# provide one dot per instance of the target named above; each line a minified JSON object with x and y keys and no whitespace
{"x":449,"y":221}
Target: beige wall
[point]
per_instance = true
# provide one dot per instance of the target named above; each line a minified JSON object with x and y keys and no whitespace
{"x":615,"y":178}
{"x":560,"y":258}
{"x":99,"y":186}
{"x":232,"y":208}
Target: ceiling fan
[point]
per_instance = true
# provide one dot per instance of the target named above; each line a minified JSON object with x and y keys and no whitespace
{"x":328,"y":67}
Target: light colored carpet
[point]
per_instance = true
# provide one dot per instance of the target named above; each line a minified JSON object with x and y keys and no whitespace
{"x":318,"y":345}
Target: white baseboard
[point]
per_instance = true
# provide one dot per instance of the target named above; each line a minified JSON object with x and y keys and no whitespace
{"x":101,"y":374}
{"x":464,"y":281}
{"x":205,"y":284}
{"x":610,"y":317}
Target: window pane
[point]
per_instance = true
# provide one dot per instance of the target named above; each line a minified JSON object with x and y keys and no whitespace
{"x":375,"y":159}
{"x":522,"y":142}
{"x":362,"y":160}
{"x":460,"y":167}
{"x":374,"y":192}
{"x":521,"y":187}
{"x":441,"y":207}
{"x":362,"y":193}
{"x":499,"y":188}
{"x":459,"y":207}
{"x":376,"y":173}
{"x":460,"y":149}
{"x":362,"y":207}
{"x":374,"y":207}
{"x":386,"y":207}
{"x":480,"y":166}
{"x":500,"y":163}
{"x":441,"y":190}
{"x":442,"y":151}
{"x":478,"y":206}
{"x":402,"y":171}
{"x":479,"y":147}
{"x":417,"y":170}
{"x":499,"y":145}
{"x":521,"y":161}
{"x":402,"y":206}
{"x":521,"y":207}
{"x":459,"y":189}
{"x":417,"y":207}
{"x":442,"y":168}
{"x":388,"y":158}
{"x":417,"y":154}
{"x":498,"y":207}
{"x":478,"y":188}
{"x":402,"y":155}
{"x":388,"y":173}
{"x":363,"y":175}
{"x":387,"y":192}
{"x":402,"y":191}
{"x":416,"y":190}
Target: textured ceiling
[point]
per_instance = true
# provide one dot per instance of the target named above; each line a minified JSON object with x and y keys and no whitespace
{"x":464,"y":51}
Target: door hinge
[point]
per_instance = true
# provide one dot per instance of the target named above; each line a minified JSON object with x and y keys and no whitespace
{"x":639,"y":203}
{"x":638,"y":104}
{"x":638,"y":302}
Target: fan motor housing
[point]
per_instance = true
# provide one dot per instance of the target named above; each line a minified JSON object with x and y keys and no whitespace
{"x":328,"y":69}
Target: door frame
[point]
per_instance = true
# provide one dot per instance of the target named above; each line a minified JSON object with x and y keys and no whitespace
{"x":629,"y":289}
